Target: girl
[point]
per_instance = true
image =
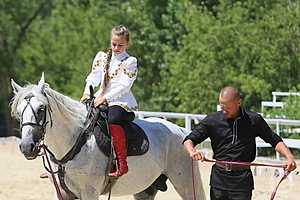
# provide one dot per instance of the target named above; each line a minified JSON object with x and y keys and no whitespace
{"x":116,"y":72}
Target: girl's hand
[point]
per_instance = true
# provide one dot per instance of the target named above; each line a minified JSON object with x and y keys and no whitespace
{"x":99,"y":100}
{"x":84,"y":97}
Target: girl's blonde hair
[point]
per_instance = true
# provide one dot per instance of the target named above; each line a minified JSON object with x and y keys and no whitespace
{"x":121,"y":31}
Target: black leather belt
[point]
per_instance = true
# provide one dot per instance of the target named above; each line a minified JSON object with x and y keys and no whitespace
{"x":231,"y":167}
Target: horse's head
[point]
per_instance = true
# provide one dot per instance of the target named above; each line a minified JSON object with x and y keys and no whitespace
{"x":30,"y":106}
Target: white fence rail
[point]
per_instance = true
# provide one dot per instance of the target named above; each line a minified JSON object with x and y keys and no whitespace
{"x":274,"y":103}
{"x":189,"y":118}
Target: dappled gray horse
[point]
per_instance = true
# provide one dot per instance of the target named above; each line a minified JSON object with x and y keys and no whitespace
{"x":56,"y":119}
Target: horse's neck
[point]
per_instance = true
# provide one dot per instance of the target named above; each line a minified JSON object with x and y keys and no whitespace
{"x":67,"y":122}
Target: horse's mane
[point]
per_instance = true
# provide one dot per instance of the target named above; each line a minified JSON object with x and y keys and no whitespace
{"x":64,"y":103}
{"x":74,"y":108}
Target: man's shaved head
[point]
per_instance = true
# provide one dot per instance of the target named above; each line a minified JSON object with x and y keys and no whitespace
{"x":230,"y":92}
{"x":230,"y":101}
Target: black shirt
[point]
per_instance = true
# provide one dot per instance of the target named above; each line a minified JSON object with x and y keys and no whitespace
{"x":233,"y":140}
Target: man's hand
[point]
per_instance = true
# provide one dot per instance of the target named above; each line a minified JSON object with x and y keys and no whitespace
{"x":290,"y":165}
{"x":99,"y":100}
{"x":194,"y":154}
{"x":284,"y":150}
{"x":197,"y":155}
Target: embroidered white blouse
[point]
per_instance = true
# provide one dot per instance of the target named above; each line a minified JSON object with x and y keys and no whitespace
{"x":122,"y":73}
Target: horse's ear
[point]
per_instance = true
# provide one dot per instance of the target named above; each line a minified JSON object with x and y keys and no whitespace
{"x":16,"y":88}
{"x":41,"y":83}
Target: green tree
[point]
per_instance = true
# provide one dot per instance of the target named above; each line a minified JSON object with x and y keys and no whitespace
{"x":257,"y":53}
{"x":16,"y":19}
{"x":64,"y":44}
{"x":186,"y":50}
{"x":144,"y":19}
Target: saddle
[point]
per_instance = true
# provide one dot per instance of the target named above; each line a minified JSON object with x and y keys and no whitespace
{"x":96,"y":124}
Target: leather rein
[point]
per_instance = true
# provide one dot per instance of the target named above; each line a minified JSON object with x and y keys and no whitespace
{"x":76,"y":148}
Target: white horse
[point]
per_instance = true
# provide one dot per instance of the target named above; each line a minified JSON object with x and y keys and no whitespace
{"x":85,"y":173}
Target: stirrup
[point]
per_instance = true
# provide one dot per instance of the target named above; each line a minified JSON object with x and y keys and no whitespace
{"x":114,"y":174}
{"x":44,"y":175}
{"x":117,"y":173}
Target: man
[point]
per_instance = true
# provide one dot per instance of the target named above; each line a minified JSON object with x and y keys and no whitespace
{"x":232,"y":132}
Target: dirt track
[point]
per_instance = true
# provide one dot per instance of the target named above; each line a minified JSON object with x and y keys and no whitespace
{"x":19,"y":179}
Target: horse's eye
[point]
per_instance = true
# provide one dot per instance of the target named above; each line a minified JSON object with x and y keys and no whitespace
{"x":42,"y":108}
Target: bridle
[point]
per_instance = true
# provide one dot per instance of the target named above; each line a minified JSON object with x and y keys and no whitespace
{"x":41,"y":126}
{"x":39,"y":145}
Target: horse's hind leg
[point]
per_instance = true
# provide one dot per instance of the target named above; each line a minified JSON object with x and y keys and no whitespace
{"x":187,"y":180}
{"x":148,"y":194}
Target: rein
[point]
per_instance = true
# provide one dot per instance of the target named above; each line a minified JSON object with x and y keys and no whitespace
{"x":81,"y":140}
{"x":52,"y":173}
{"x":76,"y":148}
{"x":286,"y":173}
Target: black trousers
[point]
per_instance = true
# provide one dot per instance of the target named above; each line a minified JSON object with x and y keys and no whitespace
{"x":118,"y":115}
{"x":217,"y":194}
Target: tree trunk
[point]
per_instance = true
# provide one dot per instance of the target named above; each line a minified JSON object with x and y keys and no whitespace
{"x":7,"y":124}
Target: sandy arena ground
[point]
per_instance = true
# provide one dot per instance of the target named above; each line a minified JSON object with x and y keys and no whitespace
{"x":19,"y":179}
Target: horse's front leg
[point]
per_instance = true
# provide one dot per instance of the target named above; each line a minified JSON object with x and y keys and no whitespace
{"x":64,"y":195}
{"x":84,"y":194}
{"x":59,"y":191}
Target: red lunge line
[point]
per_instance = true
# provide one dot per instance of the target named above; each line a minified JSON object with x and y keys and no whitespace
{"x":254,"y":164}
{"x":194,"y":191}
{"x":245,"y":163}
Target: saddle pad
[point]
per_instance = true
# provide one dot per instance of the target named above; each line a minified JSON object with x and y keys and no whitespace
{"x":137,"y":140}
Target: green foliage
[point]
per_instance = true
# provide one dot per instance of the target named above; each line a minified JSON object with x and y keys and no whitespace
{"x":291,"y":109}
{"x":16,"y":18}
{"x":257,"y":54}
{"x":143,"y":20}
{"x":187,"y":50}
{"x":64,"y":44}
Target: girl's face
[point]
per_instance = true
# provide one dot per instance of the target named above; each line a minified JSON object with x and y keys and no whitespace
{"x":118,"y":44}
